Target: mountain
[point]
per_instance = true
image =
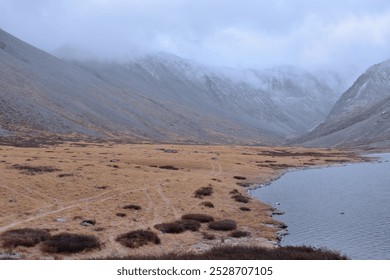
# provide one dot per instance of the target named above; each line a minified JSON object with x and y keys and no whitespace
{"x":159,"y":97}
{"x":361,"y":117}
{"x":281,"y":100}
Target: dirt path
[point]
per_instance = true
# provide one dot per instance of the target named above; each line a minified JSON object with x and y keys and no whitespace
{"x":58,"y":208}
{"x":168,"y":204}
{"x":216,"y":169}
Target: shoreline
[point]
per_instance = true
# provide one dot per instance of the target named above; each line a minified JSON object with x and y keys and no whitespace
{"x":277,"y":212}
{"x":255,"y":186}
{"x":301,"y":237}
{"x":163,"y":194}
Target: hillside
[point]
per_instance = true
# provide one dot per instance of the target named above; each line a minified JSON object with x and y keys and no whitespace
{"x":361,"y":117}
{"x":159,"y":98}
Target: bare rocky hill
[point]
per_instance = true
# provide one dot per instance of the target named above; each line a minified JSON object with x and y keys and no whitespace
{"x":159,"y":98}
{"x":361,"y":117}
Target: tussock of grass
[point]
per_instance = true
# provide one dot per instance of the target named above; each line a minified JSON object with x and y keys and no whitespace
{"x":26,"y":237}
{"x":244,"y":185}
{"x":170,"y":227}
{"x":241,"y":198}
{"x":32,"y":170}
{"x":207,"y":204}
{"x":132,"y":207}
{"x":70,"y":243}
{"x":65,"y":175}
{"x":138,"y":238}
{"x":191,"y":225}
{"x":179,"y":226}
{"x":202,"y":218}
{"x":248,"y":253}
{"x":168,"y":167}
{"x":239,"y":233}
{"x":235,"y":191}
{"x":245,"y":209}
{"x":102,"y":187}
{"x":223,"y":225}
{"x":239,"y":177}
{"x":205,"y":191}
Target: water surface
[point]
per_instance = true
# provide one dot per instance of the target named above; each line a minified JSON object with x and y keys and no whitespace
{"x":343,"y":208}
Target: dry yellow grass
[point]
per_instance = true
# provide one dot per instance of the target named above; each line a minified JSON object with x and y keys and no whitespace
{"x":95,"y":182}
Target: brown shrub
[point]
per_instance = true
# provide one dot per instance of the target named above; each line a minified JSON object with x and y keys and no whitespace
{"x":102,"y":187}
{"x":138,"y":238}
{"x":191,"y":225}
{"x":235,"y":191}
{"x":244,"y":185}
{"x":32,"y":170}
{"x":65,"y":175}
{"x":70,"y":243}
{"x":205,"y":191}
{"x":26,"y":237}
{"x":202,"y":218}
{"x":120,"y":215}
{"x":239,"y":234}
{"x":249,"y":253}
{"x":170,"y":227}
{"x":179,"y":226}
{"x":168,"y":167}
{"x":245,"y":209}
{"x":241,"y":198}
{"x":207,"y":204}
{"x":223,"y":225}
{"x":132,"y":207}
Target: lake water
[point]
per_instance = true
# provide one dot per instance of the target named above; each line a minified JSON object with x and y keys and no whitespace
{"x":344,"y":208}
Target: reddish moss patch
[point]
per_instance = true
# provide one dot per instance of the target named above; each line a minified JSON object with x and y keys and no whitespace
{"x":138,"y":238}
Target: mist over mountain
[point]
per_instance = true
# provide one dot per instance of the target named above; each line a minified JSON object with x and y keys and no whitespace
{"x":281,"y":100}
{"x":161,"y":98}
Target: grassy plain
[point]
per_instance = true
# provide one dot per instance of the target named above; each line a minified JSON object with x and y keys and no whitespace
{"x":106,"y":190}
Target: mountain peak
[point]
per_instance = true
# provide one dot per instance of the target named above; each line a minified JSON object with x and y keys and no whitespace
{"x":361,"y":116}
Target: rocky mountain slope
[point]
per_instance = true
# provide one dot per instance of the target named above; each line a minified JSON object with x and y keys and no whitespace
{"x":156,"y":98}
{"x":281,"y":100}
{"x":361,"y":117}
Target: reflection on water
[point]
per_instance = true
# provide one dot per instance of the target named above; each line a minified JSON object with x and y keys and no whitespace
{"x":341,"y":208}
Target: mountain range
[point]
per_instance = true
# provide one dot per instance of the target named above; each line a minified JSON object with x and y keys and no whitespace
{"x":165,"y":98}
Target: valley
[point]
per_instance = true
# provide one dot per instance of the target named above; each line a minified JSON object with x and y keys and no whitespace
{"x":155,"y":155}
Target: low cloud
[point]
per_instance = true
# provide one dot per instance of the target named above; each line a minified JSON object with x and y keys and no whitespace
{"x":243,"y":33}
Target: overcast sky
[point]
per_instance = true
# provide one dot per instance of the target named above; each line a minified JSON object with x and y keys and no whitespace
{"x":241,"y":33}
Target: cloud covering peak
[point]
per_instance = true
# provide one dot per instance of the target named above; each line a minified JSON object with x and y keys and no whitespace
{"x":242,"y":33}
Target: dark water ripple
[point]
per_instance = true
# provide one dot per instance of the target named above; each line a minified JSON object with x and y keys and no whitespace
{"x":341,"y":208}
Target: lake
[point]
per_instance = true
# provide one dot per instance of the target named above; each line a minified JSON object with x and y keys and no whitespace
{"x":343,"y":208}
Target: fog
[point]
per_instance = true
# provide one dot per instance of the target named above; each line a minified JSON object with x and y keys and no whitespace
{"x":351,"y":34}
